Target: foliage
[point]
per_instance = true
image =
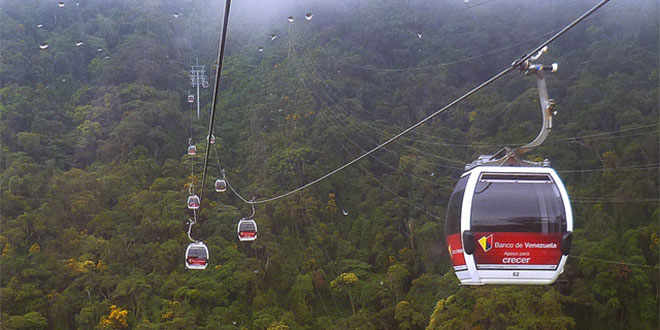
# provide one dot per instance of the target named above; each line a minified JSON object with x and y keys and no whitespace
{"x":116,"y":319}
{"x":93,"y":177}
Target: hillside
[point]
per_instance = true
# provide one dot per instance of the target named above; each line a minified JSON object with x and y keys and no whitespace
{"x":94,"y":176}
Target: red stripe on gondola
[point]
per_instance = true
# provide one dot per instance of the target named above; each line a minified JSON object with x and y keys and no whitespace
{"x":511,"y":248}
{"x":196,"y":261}
{"x":456,"y":249}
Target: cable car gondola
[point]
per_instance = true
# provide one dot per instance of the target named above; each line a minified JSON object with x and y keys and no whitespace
{"x":220,"y":185}
{"x":191,"y":98}
{"x":509,"y":225}
{"x":193,"y":202}
{"x":211,"y":139}
{"x":509,"y":221}
{"x":192,"y":150}
{"x":247,"y":230}
{"x":197,"y":256}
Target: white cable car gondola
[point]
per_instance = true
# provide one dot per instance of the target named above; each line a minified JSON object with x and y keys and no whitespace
{"x":197,"y":256}
{"x":509,"y":225}
{"x":509,"y":221}
{"x":192,"y":150}
{"x":220,"y":185}
{"x":247,"y":230}
{"x":191,"y":98}
{"x":193,"y":202}
{"x":211,"y":139}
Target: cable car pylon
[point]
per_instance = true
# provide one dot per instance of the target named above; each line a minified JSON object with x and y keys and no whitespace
{"x":198,"y":78}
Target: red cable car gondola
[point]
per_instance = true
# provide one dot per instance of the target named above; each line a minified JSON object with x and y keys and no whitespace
{"x":192,"y":150}
{"x":220,"y":185}
{"x":193,"y":202}
{"x":509,"y":225}
{"x":197,"y":256}
{"x":509,"y":221}
{"x":247,"y":230}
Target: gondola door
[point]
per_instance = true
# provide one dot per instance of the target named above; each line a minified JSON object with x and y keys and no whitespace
{"x":453,"y":229}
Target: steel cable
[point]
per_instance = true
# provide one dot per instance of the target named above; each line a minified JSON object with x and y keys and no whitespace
{"x":516,"y":64}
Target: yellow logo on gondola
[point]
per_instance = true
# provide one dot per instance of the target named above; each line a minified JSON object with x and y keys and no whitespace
{"x":486,"y":242}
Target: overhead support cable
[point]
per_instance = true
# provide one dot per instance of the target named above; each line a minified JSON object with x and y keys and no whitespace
{"x":378,"y":131}
{"x":614,"y":262}
{"x":216,"y":89}
{"x":558,"y":34}
{"x":606,"y":133}
{"x":384,"y":186}
{"x":449,"y":63}
{"x":653,"y":166}
{"x":515,"y":65}
{"x":615,"y":201}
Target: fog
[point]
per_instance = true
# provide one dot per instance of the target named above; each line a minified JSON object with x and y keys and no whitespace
{"x":377,"y":29}
{"x":252,"y":21}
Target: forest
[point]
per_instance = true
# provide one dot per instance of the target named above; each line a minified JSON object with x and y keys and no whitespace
{"x":95,"y":122}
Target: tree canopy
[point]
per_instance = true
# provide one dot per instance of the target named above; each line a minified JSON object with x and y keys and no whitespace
{"x":94,"y":174}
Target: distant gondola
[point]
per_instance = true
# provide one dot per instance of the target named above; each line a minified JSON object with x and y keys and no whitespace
{"x":192,"y":150}
{"x":247,"y":230}
{"x":193,"y":202}
{"x":220,"y":185}
{"x":197,"y":256}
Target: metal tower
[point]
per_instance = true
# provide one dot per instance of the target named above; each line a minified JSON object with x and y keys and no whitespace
{"x":198,"y":78}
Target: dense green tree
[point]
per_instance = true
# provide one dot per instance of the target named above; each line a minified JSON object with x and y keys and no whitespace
{"x":93,"y":172}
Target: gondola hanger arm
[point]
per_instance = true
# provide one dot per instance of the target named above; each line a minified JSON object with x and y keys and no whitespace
{"x":547,"y":104}
{"x":508,"y":155}
{"x":190,"y":224}
{"x":253,"y":209}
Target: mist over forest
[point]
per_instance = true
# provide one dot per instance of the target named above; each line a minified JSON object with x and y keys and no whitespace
{"x":94,"y":177}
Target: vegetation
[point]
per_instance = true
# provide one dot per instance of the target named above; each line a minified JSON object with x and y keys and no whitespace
{"x":94,"y":177}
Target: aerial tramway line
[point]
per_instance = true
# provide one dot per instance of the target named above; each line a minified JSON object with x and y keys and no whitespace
{"x":509,"y":220}
{"x":197,"y":253}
